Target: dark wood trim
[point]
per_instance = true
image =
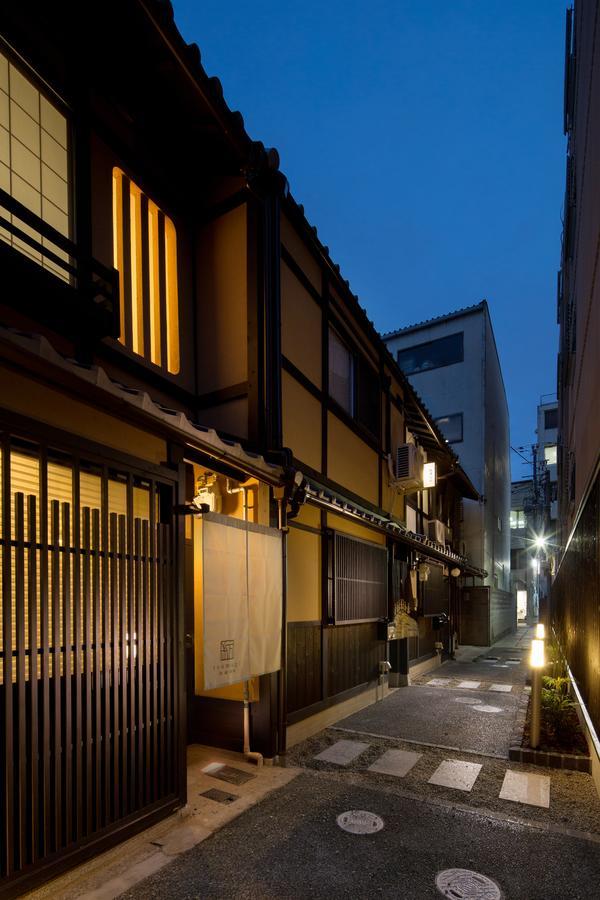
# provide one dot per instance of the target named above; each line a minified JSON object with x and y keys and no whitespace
{"x":324,"y":372}
{"x":302,"y":527}
{"x":223,"y":395}
{"x":296,"y":270}
{"x":146,"y":371}
{"x":327,"y":703}
{"x":256,"y":393}
{"x":234,"y":201}
{"x":306,"y":624}
{"x":301,"y":378}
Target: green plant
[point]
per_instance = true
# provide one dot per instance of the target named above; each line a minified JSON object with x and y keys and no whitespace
{"x":558,"y":707}
{"x":555,"y":659}
{"x":559,"y":685}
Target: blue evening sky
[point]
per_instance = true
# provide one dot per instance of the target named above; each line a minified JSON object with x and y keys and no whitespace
{"x":425,"y":141}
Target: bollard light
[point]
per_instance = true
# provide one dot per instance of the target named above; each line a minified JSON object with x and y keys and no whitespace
{"x":540,"y":631}
{"x":537,"y":660}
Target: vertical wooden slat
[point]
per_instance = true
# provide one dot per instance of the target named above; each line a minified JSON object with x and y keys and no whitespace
{"x":32,"y":599}
{"x":160,"y":762}
{"x":114,"y":614}
{"x":144,"y":237}
{"x":126,"y":274}
{"x":78,"y":772}
{"x":97,"y":776}
{"x":56,"y":673}
{"x":139,"y":651}
{"x":169,"y":636}
{"x":147,"y":650}
{"x":68,"y":666}
{"x":7,"y":833}
{"x":21,"y":779}
{"x":155,"y":636}
{"x":88,"y":664}
{"x":46,"y":830}
{"x":107,"y":654}
{"x":123,"y":599}
{"x":130,"y":642}
{"x":162,"y":293}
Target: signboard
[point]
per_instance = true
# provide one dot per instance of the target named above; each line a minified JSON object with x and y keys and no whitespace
{"x":242,"y":586}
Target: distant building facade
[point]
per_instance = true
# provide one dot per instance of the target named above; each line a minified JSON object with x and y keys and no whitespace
{"x":453,"y":363}
{"x":521,"y":570}
{"x":574,"y":610}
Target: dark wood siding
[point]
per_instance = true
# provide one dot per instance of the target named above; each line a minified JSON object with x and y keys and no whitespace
{"x":303,"y":665}
{"x":354,"y":654}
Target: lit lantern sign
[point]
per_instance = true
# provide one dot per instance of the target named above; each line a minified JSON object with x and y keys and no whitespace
{"x":429,"y":475}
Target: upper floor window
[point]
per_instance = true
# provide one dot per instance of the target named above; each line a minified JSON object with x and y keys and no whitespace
{"x":353,"y":383}
{"x":145,"y":255}
{"x":517,"y":518}
{"x":432,"y":355}
{"x":550,"y":454}
{"x":34,"y":164}
{"x":451,"y":427}
{"x":550,"y":418}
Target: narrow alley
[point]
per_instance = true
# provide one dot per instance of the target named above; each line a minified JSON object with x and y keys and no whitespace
{"x":429,"y":766}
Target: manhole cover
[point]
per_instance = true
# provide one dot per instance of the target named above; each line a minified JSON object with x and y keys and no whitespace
{"x":471,"y":701}
{"x":462,"y":884}
{"x":359,"y":821}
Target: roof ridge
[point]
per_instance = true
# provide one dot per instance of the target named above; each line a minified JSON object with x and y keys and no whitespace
{"x":441,"y":318}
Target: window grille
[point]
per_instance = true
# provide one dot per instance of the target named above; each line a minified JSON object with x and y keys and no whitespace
{"x":360,"y":581}
{"x":145,"y":255}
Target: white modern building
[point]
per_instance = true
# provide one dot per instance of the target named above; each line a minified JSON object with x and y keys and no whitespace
{"x":452,"y":361}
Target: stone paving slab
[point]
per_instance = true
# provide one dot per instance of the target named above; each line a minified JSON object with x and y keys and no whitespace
{"x":525,"y":787}
{"x":501,"y":688}
{"x":342,"y":752}
{"x":395,"y":762}
{"x":469,"y":685}
{"x":457,"y":774}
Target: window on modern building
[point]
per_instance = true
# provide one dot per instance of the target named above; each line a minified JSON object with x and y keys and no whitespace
{"x":145,"y":255}
{"x":432,"y":355}
{"x":341,"y":373}
{"x":360,"y":582}
{"x":353,"y":383}
{"x":517,"y":518}
{"x":451,"y":427}
{"x":550,"y":418}
{"x":550,"y":454}
{"x":34,"y":164}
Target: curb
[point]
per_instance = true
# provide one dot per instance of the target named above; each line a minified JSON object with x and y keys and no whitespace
{"x":574,"y":762}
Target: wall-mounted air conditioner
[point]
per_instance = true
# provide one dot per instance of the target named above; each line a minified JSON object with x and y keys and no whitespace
{"x":408,"y":467}
{"x":436,"y":531}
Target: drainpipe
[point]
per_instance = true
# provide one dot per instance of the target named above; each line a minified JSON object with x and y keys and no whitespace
{"x":281,"y":679}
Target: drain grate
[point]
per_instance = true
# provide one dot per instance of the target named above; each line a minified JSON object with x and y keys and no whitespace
{"x":228,"y":773}
{"x":219,"y":796}
{"x":463,"y":884}
{"x":359,"y":821}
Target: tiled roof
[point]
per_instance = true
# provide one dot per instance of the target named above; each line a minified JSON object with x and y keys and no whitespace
{"x":457,"y":313}
{"x":204,"y":439}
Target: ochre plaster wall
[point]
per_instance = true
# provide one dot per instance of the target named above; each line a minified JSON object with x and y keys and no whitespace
{"x":303,"y":576}
{"x":301,"y":422}
{"x":351,"y":462}
{"x":302,"y":255}
{"x":300,"y":326}
{"x":354,"y":529}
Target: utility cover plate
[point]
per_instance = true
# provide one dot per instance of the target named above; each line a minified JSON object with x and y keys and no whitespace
{"x":463,"y":884}
{"x":359,"y":821}
{"x":219,"y":796}
{"x":230,"y":774}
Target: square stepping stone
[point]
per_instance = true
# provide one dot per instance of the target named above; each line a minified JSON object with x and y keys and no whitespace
{"x":342,"y":752}
{"x":454,"y":773}
{"x":439,"y":682}
{"x":523,"y":787}
{"x":470,"y":685}
{"x":501,"y":688}
{"x":395,"y":762}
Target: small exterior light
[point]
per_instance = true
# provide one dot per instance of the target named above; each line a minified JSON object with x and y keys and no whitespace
{"x":540,"y":631}
{"x":540,"y":542}
{"x":429,"y":475}
{"x":455,"y":572}
{"x":537,"y":660}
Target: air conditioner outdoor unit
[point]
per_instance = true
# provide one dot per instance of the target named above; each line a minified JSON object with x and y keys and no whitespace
{"x":436,"y":531}
{"x":408,"y":471}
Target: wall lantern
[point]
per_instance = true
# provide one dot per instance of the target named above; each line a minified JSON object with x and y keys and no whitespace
{"x":423,"y":571}
{"x":455,"y":572}
{"x":429,"y":475}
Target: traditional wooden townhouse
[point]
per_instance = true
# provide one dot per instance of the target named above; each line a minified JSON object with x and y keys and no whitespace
{"x":214,"y":526}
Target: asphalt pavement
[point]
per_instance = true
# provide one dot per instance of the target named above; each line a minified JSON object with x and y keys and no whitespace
{"x":290,"y":846}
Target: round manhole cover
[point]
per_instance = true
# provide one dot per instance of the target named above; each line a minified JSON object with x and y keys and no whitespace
{"x":463,"y":884}
{"x":359,"y":821}
{"x":470,"y":701}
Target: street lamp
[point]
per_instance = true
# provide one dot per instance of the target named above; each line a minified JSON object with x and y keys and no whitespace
{"x":537,"y":662}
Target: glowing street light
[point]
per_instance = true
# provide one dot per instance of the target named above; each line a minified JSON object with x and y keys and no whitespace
{"x":540,"y":542}
{"x":540,"y":631}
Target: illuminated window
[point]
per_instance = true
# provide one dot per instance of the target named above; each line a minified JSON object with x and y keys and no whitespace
{"x":517,"y":518}
{"x":550,"y":454}
{"x":444,"y":351}
{"x":145,"y":255}
{"x":34,"y":163}
{"x":451,"y":427}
